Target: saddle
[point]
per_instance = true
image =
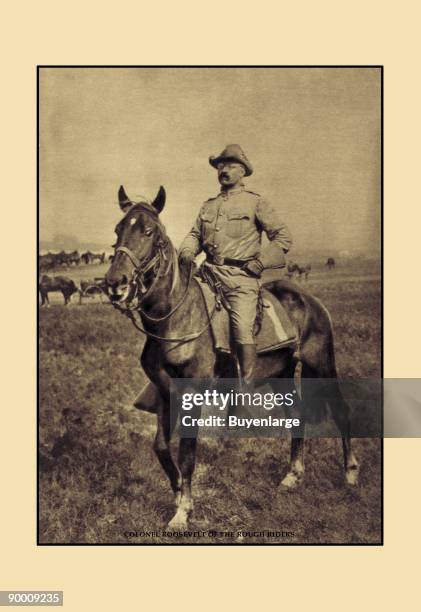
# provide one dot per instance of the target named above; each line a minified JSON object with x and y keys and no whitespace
{"x":273,"y":329}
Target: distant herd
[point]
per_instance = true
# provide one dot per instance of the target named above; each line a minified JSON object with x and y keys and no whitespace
{"x":65,"y":285}
{"x":51,"y":261}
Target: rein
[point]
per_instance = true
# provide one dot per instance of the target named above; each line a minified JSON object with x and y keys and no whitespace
{"x":187,"y":338}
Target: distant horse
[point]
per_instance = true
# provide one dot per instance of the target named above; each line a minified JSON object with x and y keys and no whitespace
{"x":298,"y":271}
{"x":46,"y":262}
{"x":73,"y":258}
{"x":60,"y":258}
{"x":86,"y":257}
{"x":67,"y":259}
{"x":90,"y":258}
{"x":145,"y":277}
{"x":49,"y":284}
{"x":331,"y":263}
{"x":100,"y":257}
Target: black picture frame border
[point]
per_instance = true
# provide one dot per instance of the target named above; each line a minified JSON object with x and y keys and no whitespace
{"x":40,"y":67}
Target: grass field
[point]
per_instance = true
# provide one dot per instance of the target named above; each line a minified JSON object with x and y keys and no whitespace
{"x":99,"y":477}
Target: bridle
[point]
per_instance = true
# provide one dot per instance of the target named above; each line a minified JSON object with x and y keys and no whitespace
{"x":140,"y":290}
{"x":140,"y":270}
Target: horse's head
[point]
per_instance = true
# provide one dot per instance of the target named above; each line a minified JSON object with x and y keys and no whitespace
{"x":139,"y":247}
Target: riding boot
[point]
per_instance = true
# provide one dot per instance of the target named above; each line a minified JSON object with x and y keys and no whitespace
{"x":247,"y":357}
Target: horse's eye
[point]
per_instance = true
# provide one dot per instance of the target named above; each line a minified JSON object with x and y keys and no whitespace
{"x":148,"y":231}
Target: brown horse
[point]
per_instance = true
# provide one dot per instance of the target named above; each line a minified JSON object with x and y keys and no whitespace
{"x":298,"y":271}
{"x":63,"y":284}
{"x":145,"y":276}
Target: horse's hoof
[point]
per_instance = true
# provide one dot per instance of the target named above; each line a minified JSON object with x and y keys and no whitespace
{"x":177,"y":523}
{"x":291,"y":481}
{"x":181,"y":518}
{"x":351,"y":477}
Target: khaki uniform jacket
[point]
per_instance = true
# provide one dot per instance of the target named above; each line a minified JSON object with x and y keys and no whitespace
{"x":231,"y":225}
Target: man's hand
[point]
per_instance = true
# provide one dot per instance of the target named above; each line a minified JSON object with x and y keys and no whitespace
{"x":254,"y":267}
{"x":186,"y":258}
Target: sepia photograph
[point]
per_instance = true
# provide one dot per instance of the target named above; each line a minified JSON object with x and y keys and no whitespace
{"x":210,"y":305}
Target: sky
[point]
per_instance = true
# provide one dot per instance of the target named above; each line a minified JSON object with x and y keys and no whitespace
{"x":312,"y":135}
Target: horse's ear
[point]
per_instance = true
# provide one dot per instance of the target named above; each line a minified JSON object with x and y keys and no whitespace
{"x":159,"y":201}
{"x":123,"y":200}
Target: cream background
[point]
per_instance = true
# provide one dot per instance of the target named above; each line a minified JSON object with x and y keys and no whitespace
{"x":191,"y":32}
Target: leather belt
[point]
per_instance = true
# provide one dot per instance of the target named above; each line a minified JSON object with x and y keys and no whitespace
{"x":226,"y":261}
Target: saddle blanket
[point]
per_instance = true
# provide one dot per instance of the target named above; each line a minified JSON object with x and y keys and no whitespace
{"x":276,"y":330}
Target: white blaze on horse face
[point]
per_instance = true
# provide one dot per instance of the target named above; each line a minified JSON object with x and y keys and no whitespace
{"x":133,"y":220}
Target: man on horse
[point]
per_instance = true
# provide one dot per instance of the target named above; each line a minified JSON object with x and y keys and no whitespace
{"x":229,"y":230}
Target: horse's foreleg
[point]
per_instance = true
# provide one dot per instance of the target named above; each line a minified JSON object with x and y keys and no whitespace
{"x":165,"y":424}
{"x":162,"y":447}
{"x":184,"y":501}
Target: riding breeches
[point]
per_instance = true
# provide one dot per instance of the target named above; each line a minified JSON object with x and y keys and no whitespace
{"x":241,"y":292}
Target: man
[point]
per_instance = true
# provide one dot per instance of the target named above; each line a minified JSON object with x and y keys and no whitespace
{"x":229,"y":230}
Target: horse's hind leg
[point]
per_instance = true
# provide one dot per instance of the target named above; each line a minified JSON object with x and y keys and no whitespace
{"x":295,"y":472}
{"x":296,"y":465}
{"x":340,"y":414}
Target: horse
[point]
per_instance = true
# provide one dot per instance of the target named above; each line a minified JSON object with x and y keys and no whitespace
{"x":57,"y":283}
{"x":73,"y":258}
{"x":90,"y":258}
{"x":330,"y":263}
{"x":46,"y":262}
{"x":145,"y":276}
{"x":100,"y":257}
{"x":61,"y":258}
{"x":86,"y":257}
{"x":294,"y":269}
